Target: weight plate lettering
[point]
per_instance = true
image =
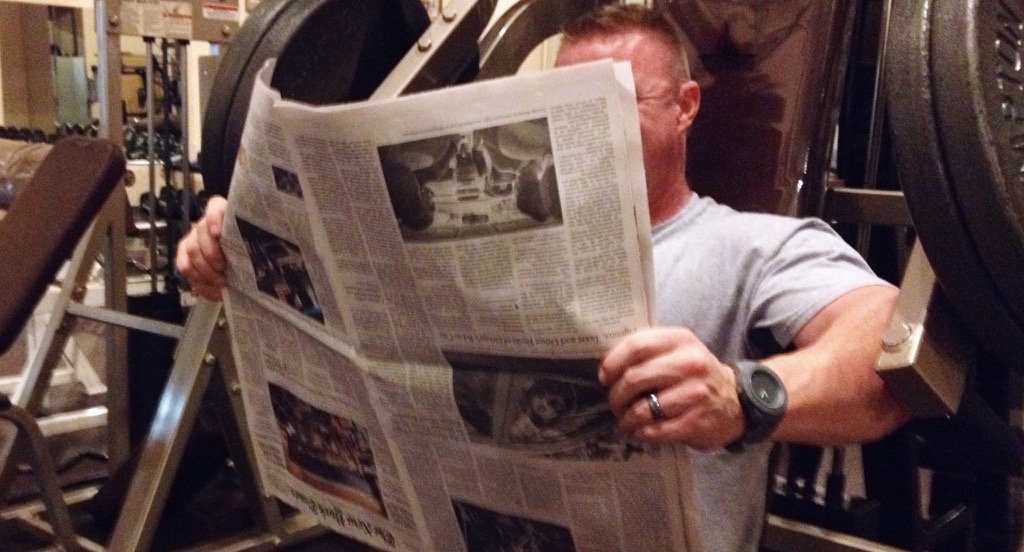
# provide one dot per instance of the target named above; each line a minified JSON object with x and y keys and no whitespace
{"x":979,"y":104}
{"x":921,"y":167}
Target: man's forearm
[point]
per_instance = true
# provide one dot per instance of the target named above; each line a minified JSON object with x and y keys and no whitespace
{"x":835,"y":394}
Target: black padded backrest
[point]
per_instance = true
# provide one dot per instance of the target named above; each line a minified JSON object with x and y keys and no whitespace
{"x":47,"y":220}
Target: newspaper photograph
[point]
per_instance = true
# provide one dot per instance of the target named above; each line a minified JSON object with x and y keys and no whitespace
{"x":518,"y":226}
{"x":419,"y":298}
{"x":270,"y":230}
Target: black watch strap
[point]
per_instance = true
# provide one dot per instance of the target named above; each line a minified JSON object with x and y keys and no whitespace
{"x":763,"y":400}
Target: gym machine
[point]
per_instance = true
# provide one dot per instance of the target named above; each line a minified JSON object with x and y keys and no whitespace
{"x":966,"y":279}
{"x":425,"y":57}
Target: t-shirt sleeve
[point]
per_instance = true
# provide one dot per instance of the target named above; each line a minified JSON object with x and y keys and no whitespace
{"x":803,"y":271}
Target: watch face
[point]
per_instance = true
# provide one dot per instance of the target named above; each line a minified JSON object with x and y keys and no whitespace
{"x":766,"y":389}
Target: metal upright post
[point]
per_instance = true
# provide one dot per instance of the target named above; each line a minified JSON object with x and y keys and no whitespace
{"x":874,"y":147}
{"x":151,"y":161}
{"x":203,"y":363}
{"x":108,"y":39}
{"x":181,"y":53}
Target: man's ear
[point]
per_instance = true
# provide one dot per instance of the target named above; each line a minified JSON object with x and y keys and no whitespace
{"x":689,"y":103}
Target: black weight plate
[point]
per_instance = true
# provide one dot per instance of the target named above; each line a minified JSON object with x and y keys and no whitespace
{"x":922,"y":174}
{"x":327,"y":50}
{"x":347,"y":49}
{"x":231,"y":77}
{"x":309,"y":69}
{"x":979,"y":104}
{"x":294,"y":14}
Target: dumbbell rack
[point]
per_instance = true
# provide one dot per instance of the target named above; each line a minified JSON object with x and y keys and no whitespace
{"x":203,"y":362}
{"x":201,"y":355}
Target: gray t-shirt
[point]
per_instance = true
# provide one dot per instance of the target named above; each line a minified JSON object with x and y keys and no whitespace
{"x":745,"y":284}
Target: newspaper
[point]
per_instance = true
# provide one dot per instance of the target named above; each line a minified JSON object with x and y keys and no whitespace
{"x":420,"y":290}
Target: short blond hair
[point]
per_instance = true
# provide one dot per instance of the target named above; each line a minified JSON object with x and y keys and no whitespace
{"x":617,"y":19}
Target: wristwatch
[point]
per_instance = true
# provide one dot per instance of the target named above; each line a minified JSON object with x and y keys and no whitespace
{"x":763,"y":400}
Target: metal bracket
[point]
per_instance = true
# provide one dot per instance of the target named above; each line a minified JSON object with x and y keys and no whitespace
{"x":925,"y":351}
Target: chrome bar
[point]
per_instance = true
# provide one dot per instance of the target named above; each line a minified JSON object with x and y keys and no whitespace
{"x":173,"y":422}
{"x":61,"y":376}
{"x":45,"y":472}
{"x":874,"y":147}
{"x":442,"y":52}
{"x":151,"y":159}
{"x":69,"y":422}
{"x":126,"y":320}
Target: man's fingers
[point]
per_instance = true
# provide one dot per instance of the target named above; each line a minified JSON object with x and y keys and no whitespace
{"x":653,"y":376}
{"x":195,"y":265}
{"x":214,"y":215}
{"x":673,"y":430}
{"x":200,"y":258}
{"x":700,"y":412}
{"x":637,"y":348}
{"x":641,"y":412}
{"x":669,"y":368}
{"x":208,"y":241}
{"x":204,"y":271}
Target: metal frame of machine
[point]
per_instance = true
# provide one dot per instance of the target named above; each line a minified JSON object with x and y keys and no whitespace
{"x":204,"y":361}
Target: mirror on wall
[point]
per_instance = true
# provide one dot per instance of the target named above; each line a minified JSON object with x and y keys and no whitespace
{"x":48,"y":73}
{"x":44,"y":73}
{"x":71,"y":77}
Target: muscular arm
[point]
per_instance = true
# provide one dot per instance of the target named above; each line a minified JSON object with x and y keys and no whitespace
{"x":835,"y":395}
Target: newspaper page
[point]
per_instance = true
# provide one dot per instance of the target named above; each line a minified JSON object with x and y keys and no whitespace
{"x":516,"y":221}
{"x":271,"y":230}
{"x":420,"y":291}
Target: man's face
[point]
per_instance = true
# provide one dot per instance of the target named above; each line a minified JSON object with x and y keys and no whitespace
{"x":662,"y":122}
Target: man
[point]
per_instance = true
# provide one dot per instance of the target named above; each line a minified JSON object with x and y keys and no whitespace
{"x":732,"y":287}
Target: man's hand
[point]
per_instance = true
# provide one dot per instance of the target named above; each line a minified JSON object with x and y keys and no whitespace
{"x":200,"y":258}
{"x":697,"y":393}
